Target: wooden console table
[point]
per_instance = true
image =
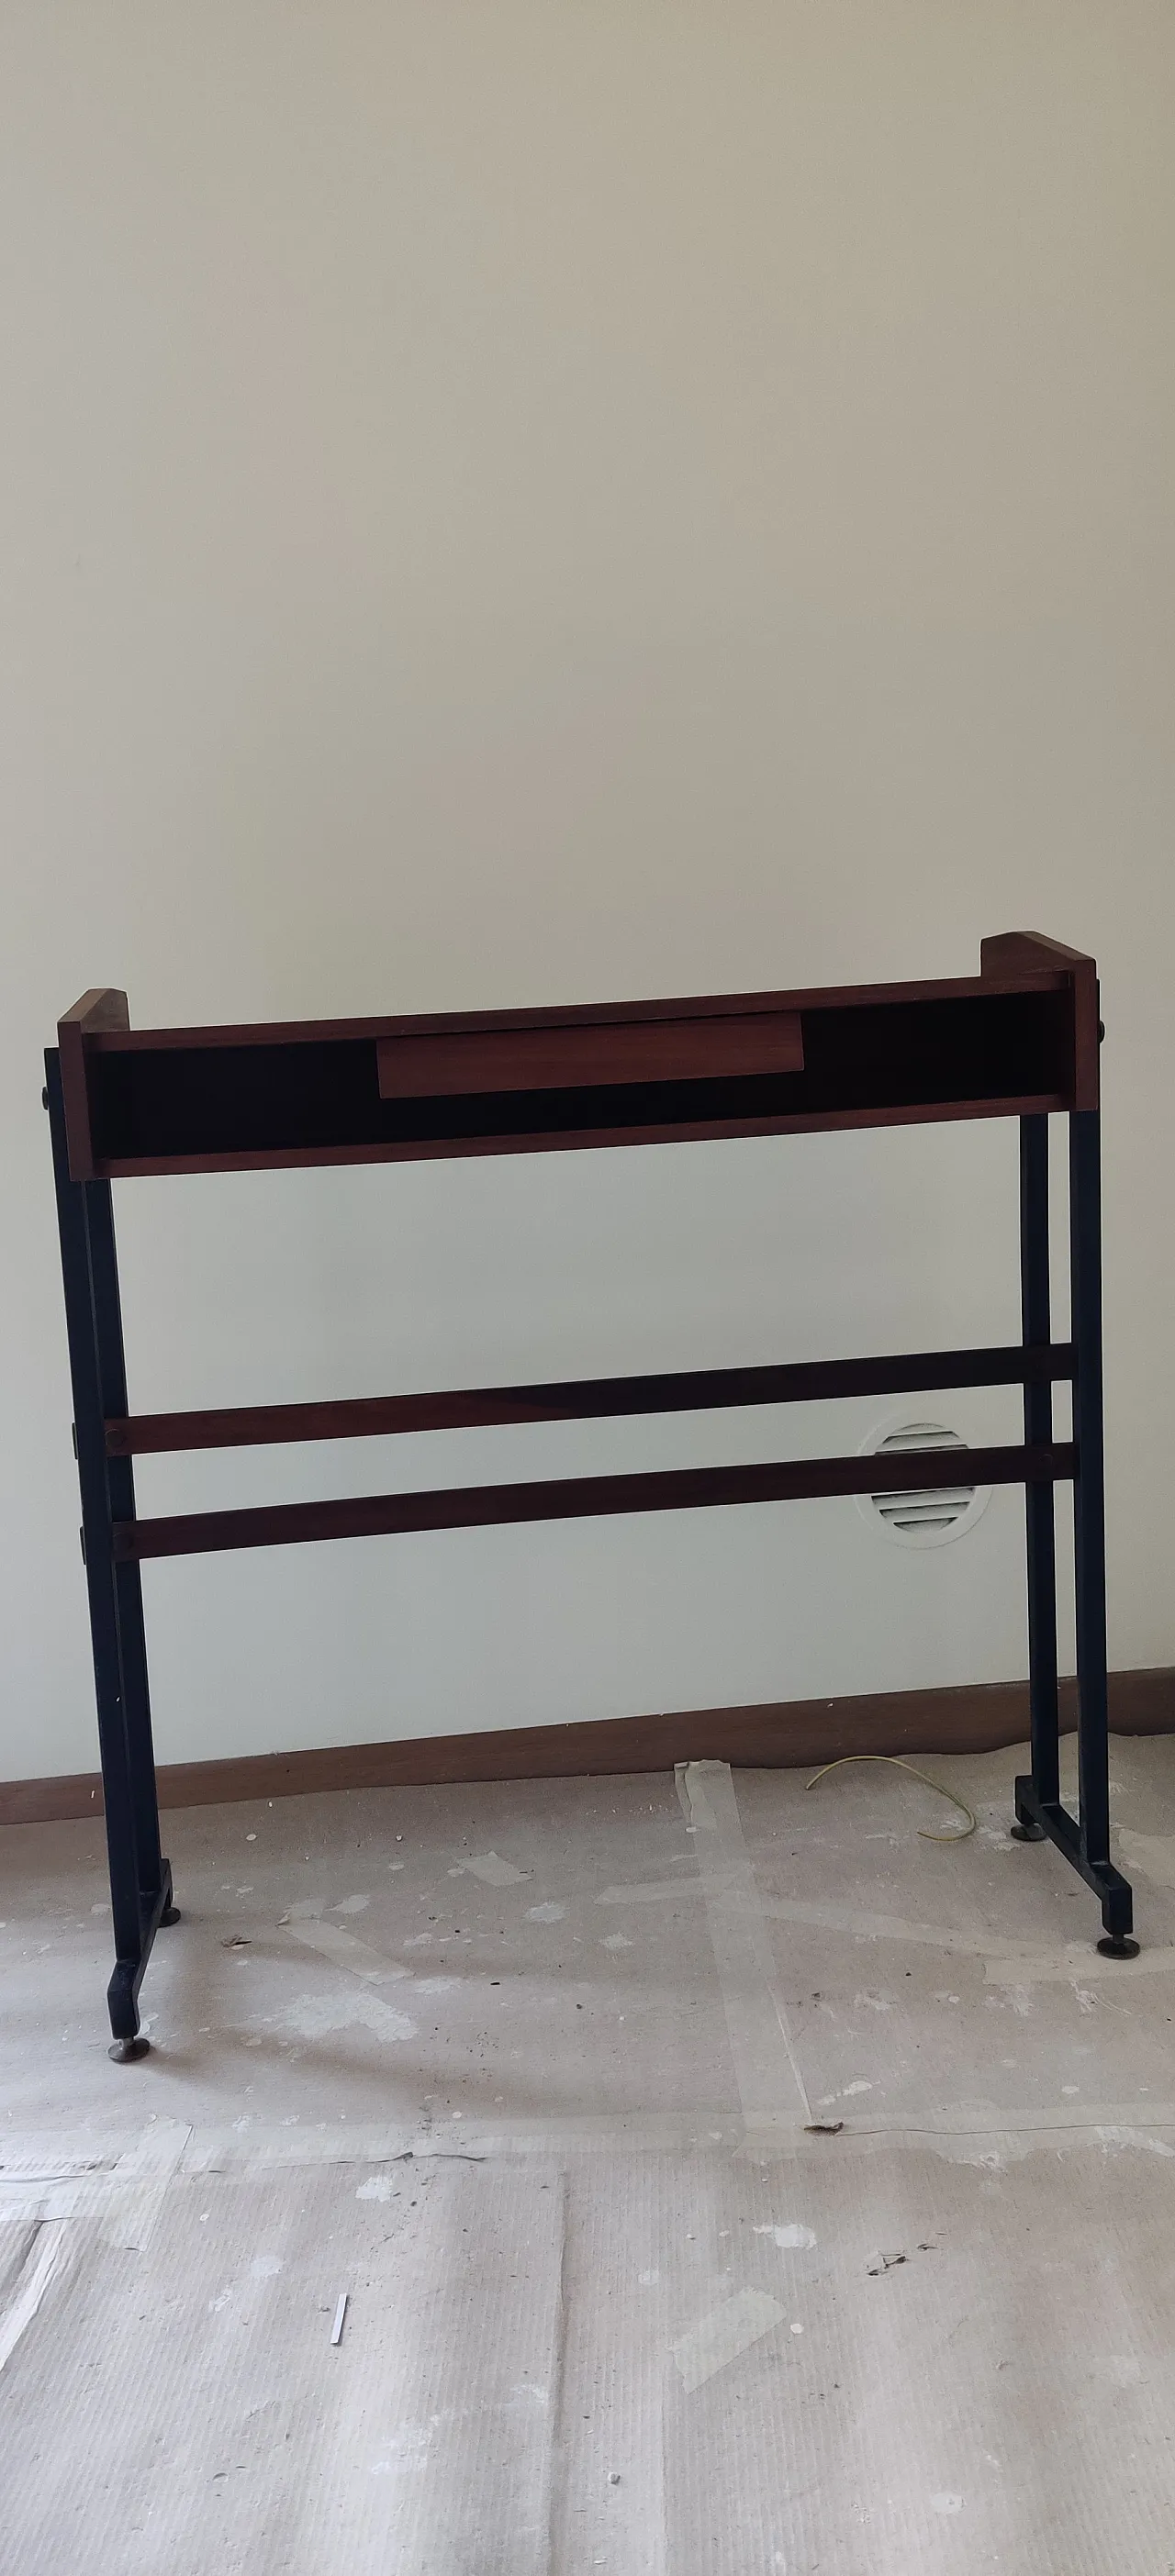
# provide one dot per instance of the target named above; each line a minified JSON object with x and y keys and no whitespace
{"x":1020,"y":1040}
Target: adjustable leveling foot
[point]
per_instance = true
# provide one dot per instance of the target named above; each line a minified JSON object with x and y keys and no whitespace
{"x":129,"y":2042}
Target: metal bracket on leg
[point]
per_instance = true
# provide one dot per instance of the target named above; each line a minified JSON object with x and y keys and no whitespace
{"x":1053,"y":1823}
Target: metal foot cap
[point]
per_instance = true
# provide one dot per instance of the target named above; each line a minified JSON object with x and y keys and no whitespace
{"x":124,"y":2051}
{"x":170,"y":1914}
{"x":1118,"y":1945}
{"x":1030,"y":1833}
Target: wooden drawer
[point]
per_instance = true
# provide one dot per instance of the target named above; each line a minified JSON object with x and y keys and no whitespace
{"x":593,"y":1053}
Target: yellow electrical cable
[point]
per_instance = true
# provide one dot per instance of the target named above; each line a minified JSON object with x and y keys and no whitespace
{"x":927,"y":1782}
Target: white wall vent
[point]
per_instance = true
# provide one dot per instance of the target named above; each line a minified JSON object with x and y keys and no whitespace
{"x":924,"y":1518}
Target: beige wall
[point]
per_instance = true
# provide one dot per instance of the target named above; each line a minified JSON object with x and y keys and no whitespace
{"x":536,"y":503}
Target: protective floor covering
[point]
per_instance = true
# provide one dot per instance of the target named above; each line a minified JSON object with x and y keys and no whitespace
{"x":721,"y":2180}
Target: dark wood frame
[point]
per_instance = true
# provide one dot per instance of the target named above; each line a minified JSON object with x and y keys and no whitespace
{"x":1019,"y":1040}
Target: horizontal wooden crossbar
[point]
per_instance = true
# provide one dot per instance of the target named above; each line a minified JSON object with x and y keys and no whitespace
{"x":584,"y":1399}
{"x":585,"y":1497}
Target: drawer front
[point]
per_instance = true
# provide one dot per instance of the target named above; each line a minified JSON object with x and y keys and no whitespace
{"x":619,"y":1051}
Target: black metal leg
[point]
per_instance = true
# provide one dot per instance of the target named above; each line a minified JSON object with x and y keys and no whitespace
{"x":1084,"y":1839}
{"x":140,"y":1879}
{"x":1035,"y":1308}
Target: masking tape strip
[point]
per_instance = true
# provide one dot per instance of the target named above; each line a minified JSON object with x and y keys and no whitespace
{"x":52,"y":2194}
{"x":139,"y":2183}
{"x":766,"y":2069}
{"x":123,"y":2182}
{"x":673,"y":2133}
{"x":719,"y":2337}
{"x":346,"y":1950}
{"x":46,"y":2257}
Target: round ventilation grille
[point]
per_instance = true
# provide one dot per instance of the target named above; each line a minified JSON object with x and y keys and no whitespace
{"x":924,"y":1518}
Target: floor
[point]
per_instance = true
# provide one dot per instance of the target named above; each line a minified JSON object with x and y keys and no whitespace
{"x":721,"y":2178}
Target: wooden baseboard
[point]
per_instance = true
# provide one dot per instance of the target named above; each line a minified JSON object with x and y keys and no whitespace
{"x":777,"y":1734}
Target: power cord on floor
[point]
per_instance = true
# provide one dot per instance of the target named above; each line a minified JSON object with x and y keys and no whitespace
{"x":924,"y":1776}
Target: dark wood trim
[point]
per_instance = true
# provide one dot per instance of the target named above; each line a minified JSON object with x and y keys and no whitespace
{"x":775,"y":1735}
{"x":681,"y":1489}
{"x":103,"y":1009}
{"x":1037,"y":973}
{"x":1028,"y":952}
{"x":585,"y":1399}
{"x":701,"y":1131}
